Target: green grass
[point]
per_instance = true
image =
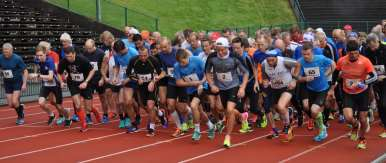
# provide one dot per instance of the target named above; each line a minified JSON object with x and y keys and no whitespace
{"x":175,"y":15}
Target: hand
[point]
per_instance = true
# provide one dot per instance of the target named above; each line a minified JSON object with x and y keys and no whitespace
{"x":309,"y":78}
{"x":83,"y":85}
{"x":24,"y":86}
{"x":151,"y":87}
{"x":200,"y":89}
{"x":140,"y":81}
{"x":256,"y":87}
{"x":196,"y":83}
{"x":241,"y":93}
{"x":214,"y":89}
{"x":265,"y":83}
{"x":292,"y":85}
{"x":101,"y":82}
{"x":115,"y":81}
{"x":62,"y":85}
{"x":331,"y":93}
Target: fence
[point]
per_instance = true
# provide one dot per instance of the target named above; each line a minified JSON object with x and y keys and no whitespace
{"x":109,"y":13}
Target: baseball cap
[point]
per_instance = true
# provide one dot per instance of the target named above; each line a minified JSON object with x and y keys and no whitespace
{"x":273,"y":53}
{"x":222,"y":41}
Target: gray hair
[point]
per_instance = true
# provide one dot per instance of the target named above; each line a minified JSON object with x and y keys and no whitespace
{"x":372,"y":37}
{"x":7,"y":46}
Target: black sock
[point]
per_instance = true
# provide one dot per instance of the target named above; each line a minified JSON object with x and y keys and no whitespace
{"x":20,"y":111}
{"x":105,"y":114}
{"x":88,"y":115}
{"x":121,"y":117}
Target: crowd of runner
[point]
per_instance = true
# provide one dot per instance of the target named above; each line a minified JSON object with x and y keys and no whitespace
{"x":278,"y":79}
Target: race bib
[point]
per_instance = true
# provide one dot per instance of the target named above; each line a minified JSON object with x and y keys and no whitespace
{"x":122,"y":72}
{"x":171,"y":72}
{"x":350,"y":83}
{"x":8,"y":74}
{"x":191,"y":77}
{"x":47,"y":83}
{"x":95,"y":65}
{"x":312,"y":71}
{"x":380,"y":69}
{"x":224,"y":77}
{"x":77,"y":77}
{"x":277,"y":83}
{"x":145,"y":77}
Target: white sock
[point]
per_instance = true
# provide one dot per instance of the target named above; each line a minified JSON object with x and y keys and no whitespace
{"x":176,"y":119}
{"x":210,"y":124}
{"x":189,"y":110}
{"x":197,"y":127}
{"x":160,"y":113}
{"x":51,"y":114}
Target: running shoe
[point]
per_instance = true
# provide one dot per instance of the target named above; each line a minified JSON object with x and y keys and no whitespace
{"x":211,"y":133}
{"x":132,"y":129}
{"x":245,"y":127}
{"x":362,"y":144}
{"x":105,"y":119}
{"x":178,"y":133}
{"x":220,"y":126}
{"x":150,"y":132}
{"x":264,"y":122}
{"x":341,"y":118}
{"x":19,"y":121}
{"x":190,"y":124}
{"x":88,"y":120}
{"x":322,"y":135}
{"x":196,"y":136}
{"x":184,"y":127}
{"x":60,"y":121}
{"x":383,"y":134}
{"x":273,"y":134}
{"x":227,"y":142}
{"x":286,"y":135}
{"x":67,"y":123}
{"x":75,"y":118}
{"x":127,"y":122}
{"x":51,"y":120}
{"x":121,"y":123}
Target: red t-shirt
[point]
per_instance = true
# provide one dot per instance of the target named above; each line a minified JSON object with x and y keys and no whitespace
{"x":54,"y":56}
{"x":354,"y":72}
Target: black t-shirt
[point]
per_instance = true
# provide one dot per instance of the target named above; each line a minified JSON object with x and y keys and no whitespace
{"x":144,"y":70}
{"x":96,"y":59}
{"x":77,"y":70}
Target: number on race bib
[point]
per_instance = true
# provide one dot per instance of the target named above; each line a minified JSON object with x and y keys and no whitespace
{"x":122,"y":72}
{"x":47,"y":83}
{"x":8,"y":74}
{"x":171,"y":72}
{"x":350,"y":83}
{"x":145,"y":77}
{"x":312,"y":71}
{"x":191,"y":77}
{"x":277,"y":83}
{"x":77,"y":77}
{"x":95,"y":65}
{"x":224,"y":77}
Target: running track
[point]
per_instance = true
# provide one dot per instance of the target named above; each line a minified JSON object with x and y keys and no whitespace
{"x":35,"y":142}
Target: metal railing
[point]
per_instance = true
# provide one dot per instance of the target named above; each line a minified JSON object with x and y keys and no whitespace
{"x":109,"y":13}
{"x":298,"y":11}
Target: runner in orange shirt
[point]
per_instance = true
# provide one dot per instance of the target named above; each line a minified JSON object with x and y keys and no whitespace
{"x":353,"y":69}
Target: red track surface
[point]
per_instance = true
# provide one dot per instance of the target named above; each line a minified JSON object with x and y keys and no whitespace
{"x":35,"y":142}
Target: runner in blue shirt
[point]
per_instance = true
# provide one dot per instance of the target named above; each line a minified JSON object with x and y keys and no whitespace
{"x":189,"y":72}
{"x":314,"y":69}
{"x":15,"y":76}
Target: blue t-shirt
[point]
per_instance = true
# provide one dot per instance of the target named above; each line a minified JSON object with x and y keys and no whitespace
{"x":12,"y":68}
{"x":47,"y":66}
{"x":128,"y":44}
{"x":316,"y":68}
{"x":192,"y":72}
{"x":123,"y":60}
{"x":167,"y":61}
{"x":298,"y":52}
{"x":259,"y":56}
{"x":195,"y":52}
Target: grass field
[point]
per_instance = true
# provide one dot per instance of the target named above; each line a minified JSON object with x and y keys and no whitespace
{"x":175,"y":15}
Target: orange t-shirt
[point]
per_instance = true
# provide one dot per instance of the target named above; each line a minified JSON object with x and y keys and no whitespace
{"x":354,"y":72}
{"x":54,"y":56}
